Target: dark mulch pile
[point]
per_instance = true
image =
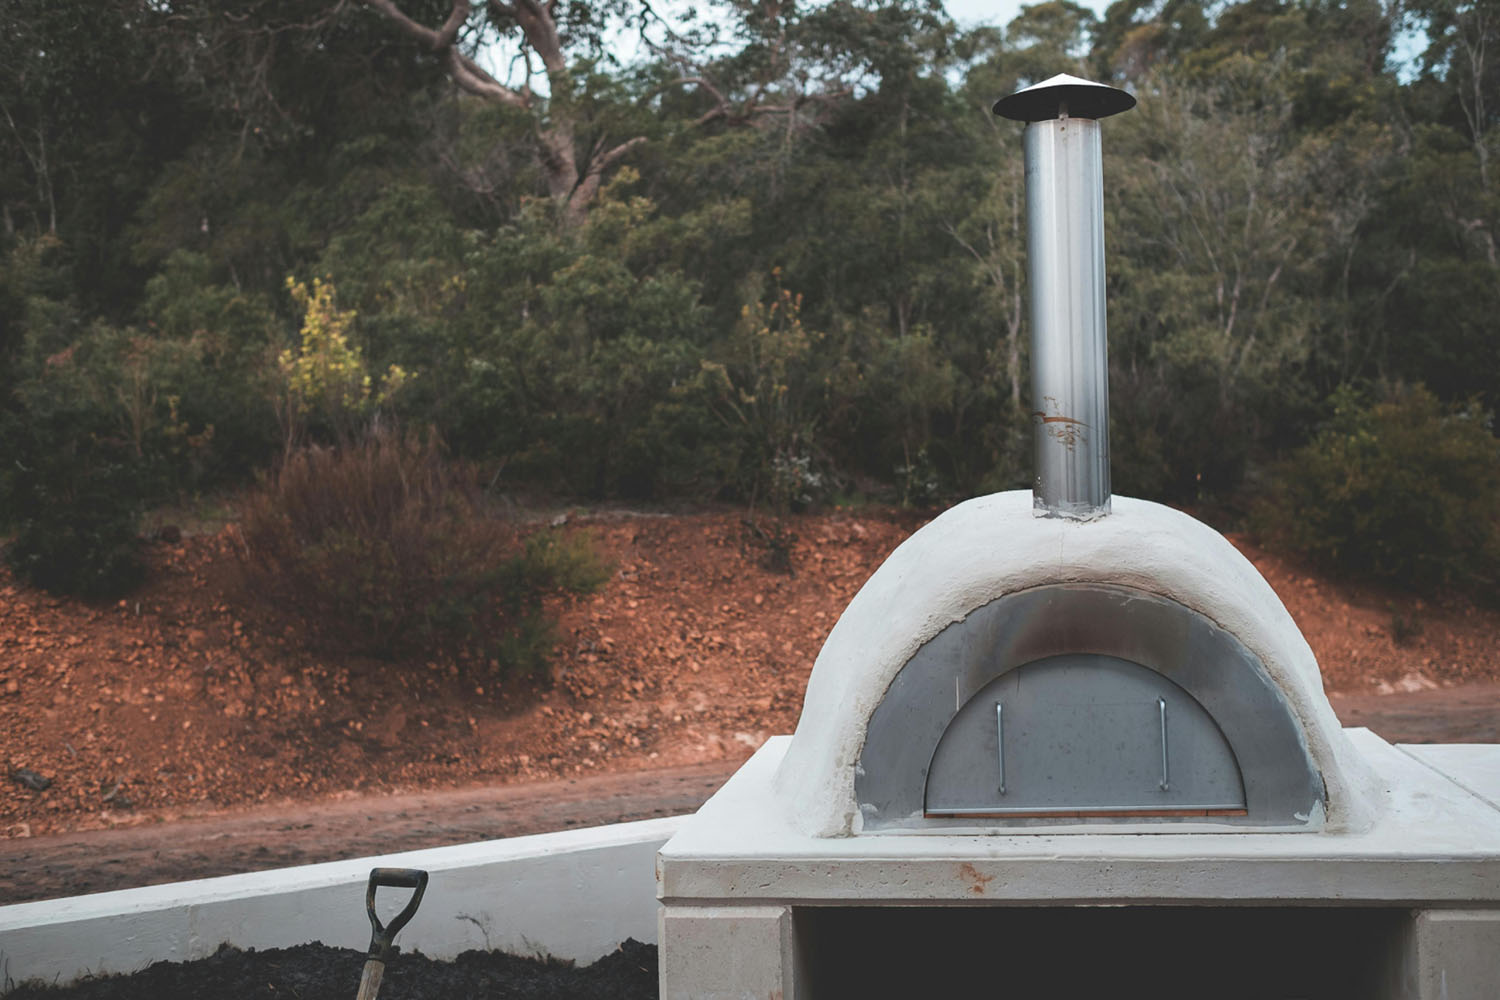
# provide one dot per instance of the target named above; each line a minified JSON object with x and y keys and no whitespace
{"x":318,"y":972}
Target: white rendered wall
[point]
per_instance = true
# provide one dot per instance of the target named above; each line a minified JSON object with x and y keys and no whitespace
{"x":573,"y":895}
{"x":995,"y":545}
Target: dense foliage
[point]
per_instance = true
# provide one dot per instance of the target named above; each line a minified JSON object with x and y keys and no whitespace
{"x":783,"y":265}
{"x":1401,"y":489}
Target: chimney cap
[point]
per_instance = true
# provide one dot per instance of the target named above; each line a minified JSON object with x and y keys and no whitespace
{"x":1044,"y":101}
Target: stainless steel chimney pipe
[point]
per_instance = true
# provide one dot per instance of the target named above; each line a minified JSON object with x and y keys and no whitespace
{"x":1065,"y":271}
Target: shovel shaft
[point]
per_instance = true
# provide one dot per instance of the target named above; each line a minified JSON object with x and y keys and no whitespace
{"x":369,"y":983}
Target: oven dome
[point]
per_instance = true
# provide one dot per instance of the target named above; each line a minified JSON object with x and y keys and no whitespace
{"x":1147,"y":605}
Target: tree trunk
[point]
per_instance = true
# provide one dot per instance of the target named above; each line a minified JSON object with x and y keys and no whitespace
{"x":572,"y":186}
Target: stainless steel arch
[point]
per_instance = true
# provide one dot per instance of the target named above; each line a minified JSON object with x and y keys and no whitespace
{"x":1283,"y":789}
{"x":1083,"y":734}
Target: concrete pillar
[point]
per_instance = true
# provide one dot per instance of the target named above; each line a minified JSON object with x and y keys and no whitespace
{"x":1457,"y":954}
{"x":727,"y":953}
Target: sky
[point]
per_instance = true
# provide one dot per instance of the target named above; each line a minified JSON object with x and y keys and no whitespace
{"x":970,"y":13}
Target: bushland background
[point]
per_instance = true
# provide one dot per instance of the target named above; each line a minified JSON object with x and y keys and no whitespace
{"x":785,"y":264}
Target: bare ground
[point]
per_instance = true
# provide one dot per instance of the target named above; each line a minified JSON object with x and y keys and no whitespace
{"x":287,"y":834}
{"x":194,"y":732}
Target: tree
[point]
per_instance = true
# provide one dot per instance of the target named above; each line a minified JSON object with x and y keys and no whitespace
{"x":1136,"y":36}
{"x":1464,"y":51}
{"x":791,"y":67}
{"x":1442,"y":220}
{"x":84,"y":129}
{"x":1226,"y":221}
{"x":1042,"y":40}
{"x":573,"y":175}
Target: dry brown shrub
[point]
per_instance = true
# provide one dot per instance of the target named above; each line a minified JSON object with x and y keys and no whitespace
{"x":383,"y":547}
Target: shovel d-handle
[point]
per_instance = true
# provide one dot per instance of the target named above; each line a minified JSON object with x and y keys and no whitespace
{"x":382,"y":936}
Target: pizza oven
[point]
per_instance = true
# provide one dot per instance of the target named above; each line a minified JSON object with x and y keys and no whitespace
{"x":1063,"y":659}
{"x":1058,"y":723}
{"x":1080,"y":701}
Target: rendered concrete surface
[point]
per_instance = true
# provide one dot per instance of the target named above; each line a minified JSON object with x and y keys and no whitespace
{"x":991,"y":546}
{"x":574,"y":895}
{"x":727,"y":953}
{"x":1456,"y":955}
{"x":1413,"y":899}
{"x":1434,"y":842}
{"x":1475,"y":766}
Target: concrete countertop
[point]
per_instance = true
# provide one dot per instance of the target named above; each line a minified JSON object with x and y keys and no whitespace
{"x":1435,"y":839}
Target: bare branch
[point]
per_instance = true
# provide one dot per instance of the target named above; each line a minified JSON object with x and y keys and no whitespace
{"x":471,"y":77}
{"x":721,"y":103}
{"x":582,"y":196}
{"x":700,"y":81}
{"x":751,"y":108}
{"x":609,"y":159}
{"x":437,"y":40}
{"x":19,"y":141}
{"x":649,"y":16}
{"x":536,"y":21}
{"x":457,"y":17}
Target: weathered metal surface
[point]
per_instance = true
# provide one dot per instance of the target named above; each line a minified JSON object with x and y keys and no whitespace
{"x":1065,"y":273}
{"x":1083,"y":734}
{"x":1086,"y":663}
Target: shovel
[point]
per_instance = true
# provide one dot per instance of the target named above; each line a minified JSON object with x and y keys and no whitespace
{"x":383,"y":938}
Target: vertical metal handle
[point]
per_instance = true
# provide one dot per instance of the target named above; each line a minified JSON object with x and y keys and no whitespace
{"x":1000,"y":743}
{"x":1161,"y":710}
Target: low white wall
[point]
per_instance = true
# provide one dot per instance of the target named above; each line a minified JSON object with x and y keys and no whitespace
{"x":573,"y":895}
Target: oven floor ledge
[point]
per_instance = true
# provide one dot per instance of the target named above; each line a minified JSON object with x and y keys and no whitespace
{"x":1436,"y":840}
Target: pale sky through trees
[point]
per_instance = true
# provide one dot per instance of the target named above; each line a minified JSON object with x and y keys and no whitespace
{"x":971,"y":13}
{"x":968,"y":13}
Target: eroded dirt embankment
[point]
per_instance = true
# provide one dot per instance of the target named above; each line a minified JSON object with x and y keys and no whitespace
{"x":210,"y":735}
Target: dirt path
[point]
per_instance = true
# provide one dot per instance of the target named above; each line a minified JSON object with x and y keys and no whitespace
{"x":1466,"y":713}
{"x":300,"y":833}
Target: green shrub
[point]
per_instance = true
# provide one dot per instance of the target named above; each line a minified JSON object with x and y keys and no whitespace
{"x":382,"y":548}
{"x":212,"y":367}
{"x":72,"y":483}
{"x":100,"y":421}
{"x":71,"y":500}
{"x":766,"y":394}
{"x":1403,"y":489}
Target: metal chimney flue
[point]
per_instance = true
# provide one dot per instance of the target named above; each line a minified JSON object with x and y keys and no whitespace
{"x":1065,"y":271}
